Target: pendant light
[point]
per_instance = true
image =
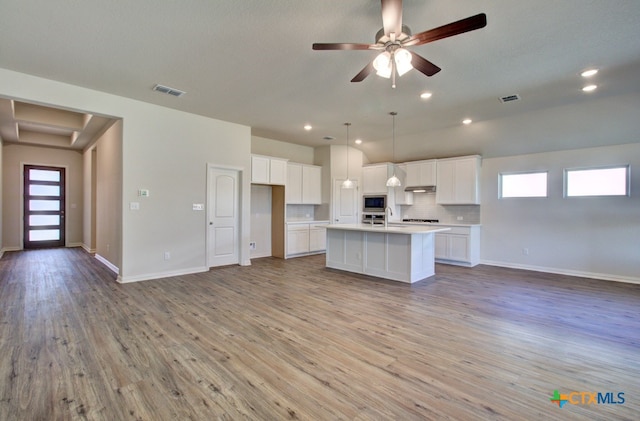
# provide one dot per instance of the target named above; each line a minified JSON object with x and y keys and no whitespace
{"x":347,"y":184}
{"x":394,"y":181}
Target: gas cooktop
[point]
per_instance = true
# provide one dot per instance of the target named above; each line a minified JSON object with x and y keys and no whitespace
{"x":421,"y":220}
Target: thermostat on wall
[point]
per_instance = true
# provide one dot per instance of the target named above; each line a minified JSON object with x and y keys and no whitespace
{"x":143,"y":193}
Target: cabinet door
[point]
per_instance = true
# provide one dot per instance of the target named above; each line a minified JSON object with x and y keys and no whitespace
{"x":466,"y":181}
{"x":458,"y":181}
{"x":311,"y":185}
{"x":260,"y":170}
{"x":459,"y":247}
{"x":441,"y":249}
{"x":293,"y":189}
{"x":317,"y":238}
{"x":413,"y":175}
{"x":428,"y":173}
{"x":278,"y":171}
{"x":374,"y":179}
{"x":298,"y":239}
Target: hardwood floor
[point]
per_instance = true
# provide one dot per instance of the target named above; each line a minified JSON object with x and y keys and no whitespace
{"x":294,"y":340}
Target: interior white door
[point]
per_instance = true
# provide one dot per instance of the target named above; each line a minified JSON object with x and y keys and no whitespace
{"x":345,"y":203}
{"x":223,"y":214}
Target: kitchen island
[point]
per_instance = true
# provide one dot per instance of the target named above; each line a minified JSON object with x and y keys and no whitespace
{"x":401,"y":253}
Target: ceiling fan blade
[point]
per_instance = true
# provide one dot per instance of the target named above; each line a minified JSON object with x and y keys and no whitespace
{"x":341,"y":46}
{"x":448,"y":30}
{"x":392,"y":17}
{"x":423,"y":65}
{"x":368,"y":69}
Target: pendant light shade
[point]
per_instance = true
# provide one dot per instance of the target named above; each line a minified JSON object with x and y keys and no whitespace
{"x":394,"y":181}
{"x":347,"y":184}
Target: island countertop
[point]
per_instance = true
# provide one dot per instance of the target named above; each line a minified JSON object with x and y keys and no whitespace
{"x":395,"y":229}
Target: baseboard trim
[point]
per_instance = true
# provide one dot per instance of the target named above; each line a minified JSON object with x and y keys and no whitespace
{"x":560,"y":271}
{"x":87,"y":248}
{"x":108,"y":264}
{"x":158,"y":275}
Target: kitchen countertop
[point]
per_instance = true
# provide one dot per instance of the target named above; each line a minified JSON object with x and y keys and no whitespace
{"x":392,"y":228}
{"x":300,"y":221}
{"x":435,"y":224}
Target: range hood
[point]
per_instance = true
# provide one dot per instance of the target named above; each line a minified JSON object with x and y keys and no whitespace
{"x":421,"y":189}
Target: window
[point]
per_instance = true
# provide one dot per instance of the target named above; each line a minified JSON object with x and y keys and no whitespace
{"x":608,"y":181}
{"x":530,"y":184}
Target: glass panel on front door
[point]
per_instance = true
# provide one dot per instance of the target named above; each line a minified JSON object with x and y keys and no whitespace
{"x":43,"y":206}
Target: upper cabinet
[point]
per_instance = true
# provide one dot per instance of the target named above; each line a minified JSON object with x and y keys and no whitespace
{"x":402,"y":197}
{"x":304,"y":184}
{"x":421,"y":173}
{"x":458,"y":181}
{"x":374,"y":178}
{"x":268,"y":170}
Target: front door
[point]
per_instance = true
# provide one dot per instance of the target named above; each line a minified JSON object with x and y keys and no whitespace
{"x":223,"y":213}
{"x":44,"y":222}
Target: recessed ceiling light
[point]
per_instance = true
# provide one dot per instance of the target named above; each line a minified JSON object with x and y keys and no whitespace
{"x":467,"y":121}
{"x":425,"y":95}
{"x":358,"y":141}
{"x":589,"y":73}
{"x":589,"y":88}
{"x":307,"y":127}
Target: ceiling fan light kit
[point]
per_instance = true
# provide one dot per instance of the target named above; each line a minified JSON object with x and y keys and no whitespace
{"x":393,"y":39}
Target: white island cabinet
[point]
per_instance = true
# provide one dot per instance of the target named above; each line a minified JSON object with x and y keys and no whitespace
{"x":400,"y":253}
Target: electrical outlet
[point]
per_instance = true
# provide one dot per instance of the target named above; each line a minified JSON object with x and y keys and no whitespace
{"x":167,"y":255}
{"x":252,"y":245}
{"x":460,"y":218}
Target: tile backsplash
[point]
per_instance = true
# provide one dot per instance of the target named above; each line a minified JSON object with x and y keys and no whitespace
{"x":300,"y":212}
{"x":425,"y":207}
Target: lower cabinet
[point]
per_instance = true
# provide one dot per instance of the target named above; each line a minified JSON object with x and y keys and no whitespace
{"x":458,"y":246}
{"x":305,"y":238}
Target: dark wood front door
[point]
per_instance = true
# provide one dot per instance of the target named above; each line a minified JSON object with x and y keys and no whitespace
{"x":44,"y":211}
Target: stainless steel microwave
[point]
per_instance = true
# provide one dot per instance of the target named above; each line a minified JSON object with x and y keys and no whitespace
{"x":377,"y":203}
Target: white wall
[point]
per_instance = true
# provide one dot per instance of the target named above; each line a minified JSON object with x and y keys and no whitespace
{"x":279,"y":149}
{"x":588,"y":236}
{"x":167,"y":152}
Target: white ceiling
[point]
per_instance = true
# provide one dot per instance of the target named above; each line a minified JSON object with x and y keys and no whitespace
{"x":251,"y":62}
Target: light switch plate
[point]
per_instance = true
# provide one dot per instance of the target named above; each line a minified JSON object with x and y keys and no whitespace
{"x":198,"y":206}
{"x":134,"y":206}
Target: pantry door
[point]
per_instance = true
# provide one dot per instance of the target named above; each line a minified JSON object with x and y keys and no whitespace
{"x":223,"y":214}
{"x":44,"y":199}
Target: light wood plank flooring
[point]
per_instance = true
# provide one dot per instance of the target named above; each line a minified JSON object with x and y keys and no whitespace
{"x":293,"y":340}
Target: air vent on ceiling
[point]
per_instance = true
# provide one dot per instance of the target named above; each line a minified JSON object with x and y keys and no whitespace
{"x":509,"y":98}
{"x":169,"y":91}
{"x":329,"y":138}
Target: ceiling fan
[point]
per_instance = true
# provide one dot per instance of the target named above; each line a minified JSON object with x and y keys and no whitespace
{"x":392,"y":39}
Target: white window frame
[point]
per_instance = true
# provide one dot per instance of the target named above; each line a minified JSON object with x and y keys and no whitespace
{"x":626,"y":167}
{"x":502,"y":174}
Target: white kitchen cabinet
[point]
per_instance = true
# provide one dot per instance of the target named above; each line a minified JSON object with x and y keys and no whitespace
{"x":268,"y":170}
{"x":317,"y":237}
{"x":374,"y":178}
{"x":297,"y":239}
{"x":458,"y":181}
{"x":304,"y":184}
{"x":421,"y":173}
{"x":303,"y":238}
{"x":402,"y":197}
{"x":458,"y":246}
